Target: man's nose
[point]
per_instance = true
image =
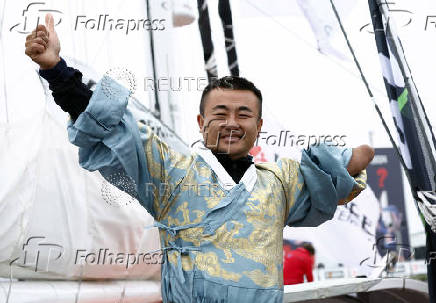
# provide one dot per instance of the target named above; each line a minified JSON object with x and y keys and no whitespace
{"x":232,"y":122}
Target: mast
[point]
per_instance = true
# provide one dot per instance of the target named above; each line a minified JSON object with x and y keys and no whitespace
{"x":153,"y":65}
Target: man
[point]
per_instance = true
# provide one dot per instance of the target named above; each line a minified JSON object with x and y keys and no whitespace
{"x":298,"y":263}
{"x":220,"y":217}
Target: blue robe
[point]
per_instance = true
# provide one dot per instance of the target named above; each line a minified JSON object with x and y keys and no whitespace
{"x":222,"y":241}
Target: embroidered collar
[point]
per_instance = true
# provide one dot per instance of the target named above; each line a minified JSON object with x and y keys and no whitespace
{"x":226,"y":181}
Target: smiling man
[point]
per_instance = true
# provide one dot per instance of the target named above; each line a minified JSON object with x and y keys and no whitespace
{"x":220,"y":216}
{"x":231,"y":118}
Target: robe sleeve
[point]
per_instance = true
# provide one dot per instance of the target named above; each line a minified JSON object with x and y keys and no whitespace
{"x":128,"y":155}
{"x":318,"y":184}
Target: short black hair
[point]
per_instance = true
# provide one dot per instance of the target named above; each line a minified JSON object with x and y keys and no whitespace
{"x":309,"y":247}
{"x":233,"y":83}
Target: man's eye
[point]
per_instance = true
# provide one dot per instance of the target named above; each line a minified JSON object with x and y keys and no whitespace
{"x":244,"y":116}
{"x":220,"y":114}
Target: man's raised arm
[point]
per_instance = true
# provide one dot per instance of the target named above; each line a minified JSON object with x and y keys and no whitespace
{"x":128,"y":155}
{"x":327,"y":176}
{"x":43,"y":47}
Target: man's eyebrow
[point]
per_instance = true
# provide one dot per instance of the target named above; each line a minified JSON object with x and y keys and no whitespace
{"x":240,"y":108}
{"x":244,"y":108}
{"x":220,"y":106}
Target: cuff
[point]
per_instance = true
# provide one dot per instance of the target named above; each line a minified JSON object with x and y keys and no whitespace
{"x":334,"y":161}
{"x":359,"y":186}
{"x":359,"y":179}
{"x":59,"y":72}
{"x":104,"y":111}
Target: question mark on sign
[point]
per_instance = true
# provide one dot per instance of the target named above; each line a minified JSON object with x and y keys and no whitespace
{"x":382,"y":173}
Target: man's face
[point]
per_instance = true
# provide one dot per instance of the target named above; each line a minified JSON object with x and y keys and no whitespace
{"x":231,"y":121}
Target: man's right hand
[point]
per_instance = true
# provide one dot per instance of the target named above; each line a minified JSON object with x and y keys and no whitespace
{"x":42,"y":45}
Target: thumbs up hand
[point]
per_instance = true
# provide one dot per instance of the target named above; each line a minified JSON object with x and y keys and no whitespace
{"x":42,"y":45}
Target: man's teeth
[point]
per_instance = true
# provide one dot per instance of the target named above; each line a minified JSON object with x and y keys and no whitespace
{"x":232,"y":136}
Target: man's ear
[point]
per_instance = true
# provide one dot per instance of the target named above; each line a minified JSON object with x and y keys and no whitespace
{"x":259,"y":124}
{"x":200,"y":121}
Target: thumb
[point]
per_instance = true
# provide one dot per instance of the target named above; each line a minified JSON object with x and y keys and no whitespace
{"x":49,"y":22}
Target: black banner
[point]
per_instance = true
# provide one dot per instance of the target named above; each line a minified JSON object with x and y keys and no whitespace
{"x":385,"y":179}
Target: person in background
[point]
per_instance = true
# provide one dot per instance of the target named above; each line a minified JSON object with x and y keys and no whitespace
{"x":298,"y":263}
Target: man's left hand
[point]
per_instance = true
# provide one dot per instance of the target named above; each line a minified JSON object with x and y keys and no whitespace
{"x":360,"y":159}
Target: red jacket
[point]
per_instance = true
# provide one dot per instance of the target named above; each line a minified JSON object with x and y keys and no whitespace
{"x":296,"y":264}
